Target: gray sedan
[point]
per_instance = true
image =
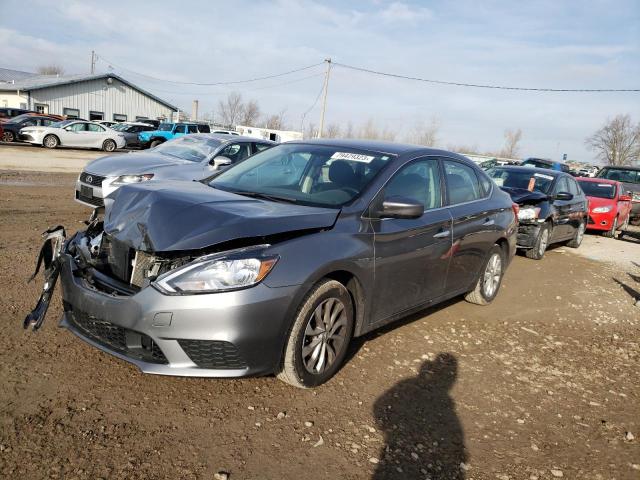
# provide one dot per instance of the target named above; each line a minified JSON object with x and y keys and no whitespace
{"x":275,"y":264}
{"x":191,"y":157}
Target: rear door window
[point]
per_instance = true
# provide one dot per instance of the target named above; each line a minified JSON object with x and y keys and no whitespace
{"x":259,"y":147}
{"x":462,"y":183}
{"x":192,"y":129}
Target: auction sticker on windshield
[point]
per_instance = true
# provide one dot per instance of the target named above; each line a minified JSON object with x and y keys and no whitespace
{"x":356,"y":157}
{"x":542,"y":175}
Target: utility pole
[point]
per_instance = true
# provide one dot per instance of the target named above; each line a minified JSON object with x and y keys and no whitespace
{"x":93,"y":62}
{"x":324,"y":96}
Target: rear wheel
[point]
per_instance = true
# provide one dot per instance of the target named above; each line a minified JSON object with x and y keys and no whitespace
{"x":577,"y":240}
{"x":614,"y":229}
{"x":109,"y":146}
{"x":155,"y":143}
{"x":8,"y":137}
{"x":490,"y":279}
{"x":50,"y":141}
{"x":541,"y":243}
{"x":320,"y":336}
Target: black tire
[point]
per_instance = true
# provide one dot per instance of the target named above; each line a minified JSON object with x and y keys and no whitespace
{"x":295,"y":370}
{"x":50,"y":141}
{"x":8,"y":137}
{"x":541,"y":244}
{"x":613,"y":231}
{"x":489,"y":281}
{"x":155,"y":143}
{"x":577,"y":239}
{"x":109,"y":145}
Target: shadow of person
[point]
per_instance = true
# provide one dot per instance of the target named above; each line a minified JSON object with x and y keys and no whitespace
{"x":423,"y":436}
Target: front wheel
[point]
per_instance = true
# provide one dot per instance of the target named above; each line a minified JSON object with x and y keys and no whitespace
{"x":577,"y":240}
{"x":50,"y":141}
{"x":109,"y":146}
{"x":541,"y":243}
{"x":8,"y":137}
{"x":490,"y":279}
{"x":614,"y":229}
{"x":320,"y":336}
{"x":155,"y":143}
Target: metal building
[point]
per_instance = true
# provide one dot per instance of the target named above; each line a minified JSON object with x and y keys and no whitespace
{"x":93,"y":97}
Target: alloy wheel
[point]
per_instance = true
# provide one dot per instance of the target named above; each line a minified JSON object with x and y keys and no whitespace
{"x":544,"y":241}
{"x":492,"y":275}
{"x":580,"y":234}
{"x":325,"y":336}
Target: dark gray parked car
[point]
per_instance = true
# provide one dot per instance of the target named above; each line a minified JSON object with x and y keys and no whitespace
{"x":276,"y":263}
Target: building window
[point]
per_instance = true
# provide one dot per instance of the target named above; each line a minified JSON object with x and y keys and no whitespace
{"x":41,"y":108}
{"x":141,"y":119}
{"x":93,"y":115}
{"x":118,"y":117}
{"x":71,"y":112}
{"x":23,"y":106}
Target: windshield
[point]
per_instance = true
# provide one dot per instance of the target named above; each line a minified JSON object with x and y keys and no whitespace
{"x":120,"y":127}
{"x":621,"y":175}
{"x":165,"y":127}
{"x":313,"y":175}
{"x":522,"y":178}
{"x":20,"y":118}
{"x":193,"y":149}
{"x":537,"y":163}
{"x":61,"y":124}
{"x":600,"y":190}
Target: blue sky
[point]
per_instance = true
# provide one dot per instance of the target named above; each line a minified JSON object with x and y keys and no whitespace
{"x":557,"y":44}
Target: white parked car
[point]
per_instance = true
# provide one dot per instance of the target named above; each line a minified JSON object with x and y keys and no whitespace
{"x":74,"y":133}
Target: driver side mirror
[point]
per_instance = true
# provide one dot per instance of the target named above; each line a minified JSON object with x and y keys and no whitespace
{"x":220,"y":162}
{"x":564,"y":196}
{"x":400,"y":207}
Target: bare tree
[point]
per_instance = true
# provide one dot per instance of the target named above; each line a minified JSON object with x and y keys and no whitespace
{"x":422,"y":134}
{"x":250,"y":113}
{"x":231,"y":109}
{"x":52,"y":69}
{"x":332,"y":131}
{"x":349,"y":132}
{"x":471,"y":149}
{"x":511,"y":140}
{"x":617,"y":142}
{"x":276,"y":122}
{"x":369,"y":131}
{"x":310,"y":131}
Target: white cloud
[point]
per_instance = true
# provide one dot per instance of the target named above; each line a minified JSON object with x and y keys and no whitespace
{"x":401,"y":12}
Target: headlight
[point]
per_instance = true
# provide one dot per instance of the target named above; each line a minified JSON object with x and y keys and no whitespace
{"x":528,"y":213}
{"x":601,"y":209}
{"x":126,"y":179}
{"x":216,"y":273}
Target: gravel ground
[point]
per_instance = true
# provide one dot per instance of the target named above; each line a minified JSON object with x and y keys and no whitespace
{"x":542,"y":384}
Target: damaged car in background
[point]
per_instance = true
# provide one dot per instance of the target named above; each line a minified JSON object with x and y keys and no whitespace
{"x":190,"y":157}
{"x":275,"y":264}
{"x":552,"y":207}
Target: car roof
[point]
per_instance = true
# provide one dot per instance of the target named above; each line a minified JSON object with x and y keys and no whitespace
{"x":597,"y":180}
{"x":626,"y":167}
{"x":378,"y":146}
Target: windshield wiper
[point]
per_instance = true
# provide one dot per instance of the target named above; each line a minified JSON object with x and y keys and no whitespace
{"x":264,"y":196}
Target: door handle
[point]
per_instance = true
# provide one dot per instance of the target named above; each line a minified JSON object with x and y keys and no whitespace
{"x":443,"y":234}
{"x":488,"y":222}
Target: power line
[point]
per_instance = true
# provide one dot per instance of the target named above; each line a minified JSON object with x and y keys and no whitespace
{"x":476,"y":85}
{"x":311,"y":107}
{"x":235,"y":82}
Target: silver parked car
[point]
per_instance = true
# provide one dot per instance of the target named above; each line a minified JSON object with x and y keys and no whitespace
{"x":74,"y":133}
{"x":191,"y":157}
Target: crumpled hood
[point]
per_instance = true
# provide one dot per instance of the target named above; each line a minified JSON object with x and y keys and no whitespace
{"x":180,"y":215}
{"x":132,"y":163}
{"x":522,"y":195}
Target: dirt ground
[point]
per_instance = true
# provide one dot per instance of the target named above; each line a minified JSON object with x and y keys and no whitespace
{"x":542,"y":384}
{"x":26,"y":157}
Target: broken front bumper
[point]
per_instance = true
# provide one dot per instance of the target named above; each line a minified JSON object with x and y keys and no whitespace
{"x":527,"y":235}
{"x":227,"y":334}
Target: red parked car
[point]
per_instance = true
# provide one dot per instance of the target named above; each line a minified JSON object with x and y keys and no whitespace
{"x":609,"y":205}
